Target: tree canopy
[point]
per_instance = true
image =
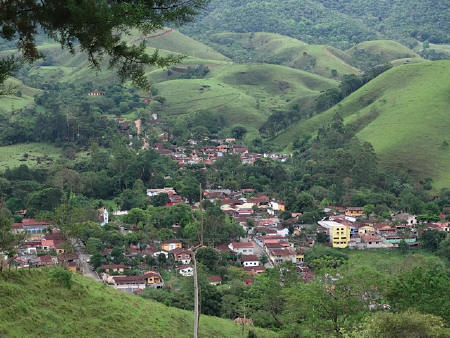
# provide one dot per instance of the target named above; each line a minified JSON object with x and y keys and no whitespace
{"x":96,"y":27}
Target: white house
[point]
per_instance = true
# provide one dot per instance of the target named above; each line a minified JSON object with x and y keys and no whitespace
{"x":185,"y":270}
{"x":410,"y":219}
{"x":103,"y":216}
{"x":244,"y":248}
{"x":250,"y":260}
{"x":155,"y":192}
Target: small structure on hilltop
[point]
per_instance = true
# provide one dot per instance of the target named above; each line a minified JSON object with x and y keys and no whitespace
{"x":96,"y":93}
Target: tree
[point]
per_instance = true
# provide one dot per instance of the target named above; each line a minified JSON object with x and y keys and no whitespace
{"x":263,"y":259}
{"x":238,"y":132}
{"x":326,"y":306}
{"x":431,"y":239}
{"x":62,"y":277}
{"x":403,"y":246}
{"x":368,"y":209}
{"x":8,"y":240}
{"x":208,"y":257}
{"x":425,"y":289}
{"x":322,"y":238}
{"x":403,"y":324}
{"x":100,"y":27}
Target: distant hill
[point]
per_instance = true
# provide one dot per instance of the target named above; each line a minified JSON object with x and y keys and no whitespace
{"x":241,"y":93}
{"x":283,"y":50}
{"x":404,"y":113}
{"x":33,"y":305}
{"x":339,"y":23}
{"x":372,"y":53}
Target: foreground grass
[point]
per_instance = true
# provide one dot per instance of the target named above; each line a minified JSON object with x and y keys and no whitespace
{"x":31,"y":304}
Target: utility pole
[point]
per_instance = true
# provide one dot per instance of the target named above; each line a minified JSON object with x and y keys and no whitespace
{"x":196,"y":291}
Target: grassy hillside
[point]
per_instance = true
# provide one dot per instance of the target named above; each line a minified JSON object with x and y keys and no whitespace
{"x":33,"y":305}
{"x":408,"y":107}
{"x":174,"y":41}
{"x":244,"y":94}
{"x":371,"y":53}
{"x":279,"y":49}
{"x":23,"y":96}
{"x":36,"y":154}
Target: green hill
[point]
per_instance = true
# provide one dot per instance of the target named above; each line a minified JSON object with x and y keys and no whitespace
{"x":174,"y":41}
{"x":23,"y":96}
{"x":243,"y":94}
{"x":34,"y":305}
{"x":404,"y":114}
{"x":372,"y":53}
{"x":279,"y":49}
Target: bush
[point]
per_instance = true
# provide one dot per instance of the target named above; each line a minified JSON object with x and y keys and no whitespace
{"x":62,"y":277}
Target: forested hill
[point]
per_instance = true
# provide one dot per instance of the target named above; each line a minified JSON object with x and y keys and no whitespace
{"x":339,"y":23}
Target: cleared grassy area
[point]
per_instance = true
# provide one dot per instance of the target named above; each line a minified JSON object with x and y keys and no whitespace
{"x":33,"y":305}
{"x":13,"y":156}
{"x":174,"y":41}
{"x":390,"y":262}
{"x":23,"y":97}
{"x":284,"y":50}
{"x":245,"y":94}
{"x":389,"y":50}
{"x":410,"y":132}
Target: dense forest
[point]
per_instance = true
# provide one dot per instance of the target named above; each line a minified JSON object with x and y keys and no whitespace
{"x":339,"y":23}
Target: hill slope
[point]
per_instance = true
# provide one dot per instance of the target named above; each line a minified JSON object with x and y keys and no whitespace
{"x":279,"y":49}
{"x":34,"y":305}
{"x":404,"y":114}
{"x":242,"y":93}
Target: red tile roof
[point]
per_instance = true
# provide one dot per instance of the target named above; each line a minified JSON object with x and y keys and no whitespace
{"x":241,"y":245}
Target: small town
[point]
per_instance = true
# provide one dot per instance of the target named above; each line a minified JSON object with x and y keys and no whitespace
{"x":272,"y":237}
{"x":225,"y":168}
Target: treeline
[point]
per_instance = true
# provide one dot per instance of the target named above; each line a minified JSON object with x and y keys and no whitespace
{"x":66,"y":113}
{"x":348,"y":85}
{"x":280,"y":120}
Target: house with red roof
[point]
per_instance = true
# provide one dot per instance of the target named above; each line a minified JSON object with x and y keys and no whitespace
{"x":278,"y":256}
{"x":214,"y":280}
{"x":250,"y":260}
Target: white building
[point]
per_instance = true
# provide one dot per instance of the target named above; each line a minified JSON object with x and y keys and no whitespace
{"x":185,"y":270}
{"x":156,"y":192}
{"x":103,"y":216}
{"x":250,"y":260}
{"x":244,"y":248}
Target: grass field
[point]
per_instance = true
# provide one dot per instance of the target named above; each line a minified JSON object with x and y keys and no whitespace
{"x":284,"y":50}
{"x":33,"y":305}
{"x":13,"y":156}
{"x":411,"y":130}
{"x":13,"y":102}
{"x":389,"y":50}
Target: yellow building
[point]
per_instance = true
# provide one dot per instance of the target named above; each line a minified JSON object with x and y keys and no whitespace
{"x":354,"y":211}
{"x":171,"y":244}
{"x":339,"y":233}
